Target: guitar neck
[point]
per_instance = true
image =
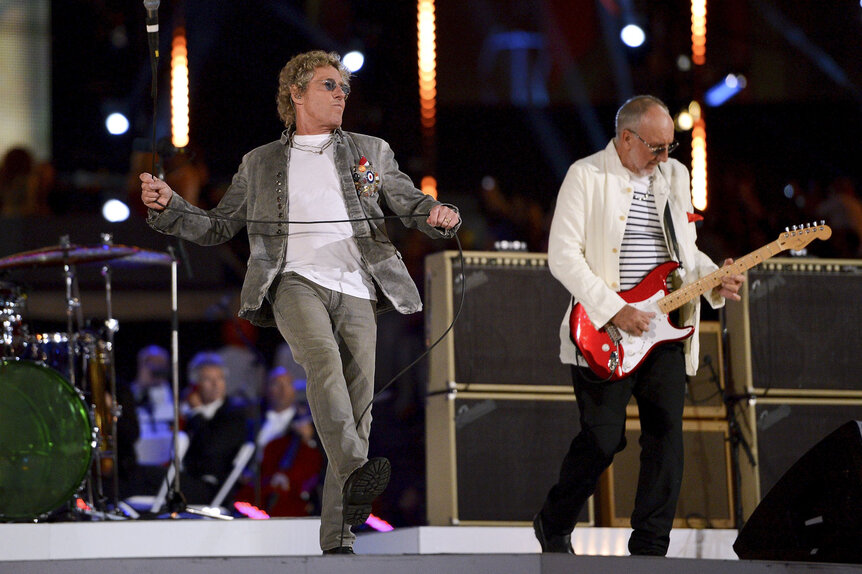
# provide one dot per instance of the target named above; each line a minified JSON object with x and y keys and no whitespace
{"x":694,"y":290}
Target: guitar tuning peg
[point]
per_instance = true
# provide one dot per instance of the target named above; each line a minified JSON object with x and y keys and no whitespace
{"x":822,"y":222}
{"x":786,"y":230}
{"x":794,"y":228}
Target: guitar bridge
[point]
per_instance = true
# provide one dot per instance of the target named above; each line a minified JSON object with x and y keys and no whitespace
{"x":614,"y":358}
{"x":613,"y":362}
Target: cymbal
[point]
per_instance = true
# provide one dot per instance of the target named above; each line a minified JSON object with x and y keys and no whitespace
{"x":142,"y":258}
{"x":59,"y":255}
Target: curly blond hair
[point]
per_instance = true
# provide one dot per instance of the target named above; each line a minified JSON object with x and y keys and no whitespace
{"x":298,"y":72}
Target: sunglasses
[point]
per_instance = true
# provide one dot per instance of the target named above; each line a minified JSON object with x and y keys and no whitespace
{"x":658,"y":149}
{"x":330,"y":85}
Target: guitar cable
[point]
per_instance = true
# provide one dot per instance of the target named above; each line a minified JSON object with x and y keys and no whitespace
{"x":461,"y":276}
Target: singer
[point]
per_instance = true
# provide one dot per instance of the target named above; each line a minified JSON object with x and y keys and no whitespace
{"x":620,"y":213}
{"x":319,"y":278}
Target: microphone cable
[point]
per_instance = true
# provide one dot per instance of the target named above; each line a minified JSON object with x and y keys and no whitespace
{"x":462,"y":278}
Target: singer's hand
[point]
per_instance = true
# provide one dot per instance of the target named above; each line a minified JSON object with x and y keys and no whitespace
{"x":443,"y":217}
{"x":155,"y":193}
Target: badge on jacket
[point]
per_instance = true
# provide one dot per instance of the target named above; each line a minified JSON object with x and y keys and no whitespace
{"x":366,"y":180}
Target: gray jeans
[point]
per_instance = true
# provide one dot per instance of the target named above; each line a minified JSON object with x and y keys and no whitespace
{"x":333,"y":336}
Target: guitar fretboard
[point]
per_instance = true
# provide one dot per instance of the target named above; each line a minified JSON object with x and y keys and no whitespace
{"x":795,"y":240}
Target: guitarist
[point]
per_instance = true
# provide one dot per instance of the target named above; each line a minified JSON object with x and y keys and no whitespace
{"x":620,"y":213}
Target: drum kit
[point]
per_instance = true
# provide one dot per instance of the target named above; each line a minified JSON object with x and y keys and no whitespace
{"x":58,"y":407}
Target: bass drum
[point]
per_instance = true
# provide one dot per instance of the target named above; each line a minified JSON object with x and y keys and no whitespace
{"x":46,"y":440}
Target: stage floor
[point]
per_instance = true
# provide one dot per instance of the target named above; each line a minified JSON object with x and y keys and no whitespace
{"x":299,"y":537}
{"x":290,"y":546}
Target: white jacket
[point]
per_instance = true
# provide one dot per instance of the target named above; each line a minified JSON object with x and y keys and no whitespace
{"x":587,"y":234}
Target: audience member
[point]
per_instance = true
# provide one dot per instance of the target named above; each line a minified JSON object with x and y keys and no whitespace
{"x":217,"y":428}
{"x":244,"y":364}
{"x":24,"y":184}
{"x":290,"y":461}
{"x":154,"y":405}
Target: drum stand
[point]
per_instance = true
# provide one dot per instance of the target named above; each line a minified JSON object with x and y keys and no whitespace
{"x":74,"y":311}
{"x":94,"y":485}
{"x":116,"y":410}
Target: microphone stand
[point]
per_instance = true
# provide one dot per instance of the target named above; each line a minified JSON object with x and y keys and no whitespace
{"x":176,"y":502}
{"x":735,"y":435}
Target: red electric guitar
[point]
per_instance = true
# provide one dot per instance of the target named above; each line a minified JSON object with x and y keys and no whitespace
{"x":613,"y":354}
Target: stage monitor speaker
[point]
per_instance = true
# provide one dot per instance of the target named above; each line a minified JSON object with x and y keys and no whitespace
{"x":705,"y":497}
{"x":789,"y":334}
{"x":814,"y":512}
{"x":779,"y":431}
{"x":492,"y":457}
{"x":508,"y":332}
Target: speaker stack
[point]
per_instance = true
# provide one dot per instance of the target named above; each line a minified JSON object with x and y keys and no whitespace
{"x":501,"y":412}
{"x":794,"y":364}
{"x":706,"y":495}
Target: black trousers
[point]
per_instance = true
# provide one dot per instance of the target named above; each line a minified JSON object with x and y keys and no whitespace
{"x":659,"y":388}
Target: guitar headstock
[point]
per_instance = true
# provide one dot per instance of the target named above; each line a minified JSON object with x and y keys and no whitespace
{"x":799,"y":236}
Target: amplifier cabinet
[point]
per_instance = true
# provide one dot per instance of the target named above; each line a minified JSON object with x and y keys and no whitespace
{"x":507,"y":334}
{"x":779,"y":431}
{"x":792,"y":333}
{"x":704,"y":397}
{"x":492,"y":457}
{"x":705,"y":497}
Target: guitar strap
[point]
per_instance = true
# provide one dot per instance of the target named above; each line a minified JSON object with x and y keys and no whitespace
{"x":668,"y":222}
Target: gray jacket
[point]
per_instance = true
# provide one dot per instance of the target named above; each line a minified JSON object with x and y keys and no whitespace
{"x":258,"y":193}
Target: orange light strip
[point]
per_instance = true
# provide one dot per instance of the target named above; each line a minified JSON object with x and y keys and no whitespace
{"x":698,"y":165}
{"x":427,"y":63}
{"x":179,"y":90}
{"x":698,"y":32}
{"x":427,"y":45}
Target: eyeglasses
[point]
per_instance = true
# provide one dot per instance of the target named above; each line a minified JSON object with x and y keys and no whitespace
{"x":330,"y":84}
{"x":658,"y":149}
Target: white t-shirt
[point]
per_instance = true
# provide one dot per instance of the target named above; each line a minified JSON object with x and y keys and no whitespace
{"x":322,"y":252}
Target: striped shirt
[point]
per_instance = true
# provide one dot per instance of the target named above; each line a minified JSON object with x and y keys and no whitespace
{"x":644,"y":246}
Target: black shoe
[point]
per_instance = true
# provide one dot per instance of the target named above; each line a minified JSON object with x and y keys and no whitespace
{"x":361,"y":488}
{"x":561,"y":544}
{"x":340,"y":550}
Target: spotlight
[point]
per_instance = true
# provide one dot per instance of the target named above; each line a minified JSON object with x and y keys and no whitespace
{"x":684,"y":121}
{"x":632,"y":36}
{"x":117,"y":124}
{"x":353,"y":61}
{"x":724,"y":90}
{"x":115,"y":211}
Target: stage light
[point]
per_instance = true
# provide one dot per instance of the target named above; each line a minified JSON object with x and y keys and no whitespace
{"x":683,"y":63}
{"x":378,"y":524}
{"x":353,"y":61}
{"x":429,"y":186}
{"x":698,"y":32}
{"x":115,"y":211}
{"x":684,"y":121}
{"x":725,"y":89}
{"x":633,"y":36}
{"x":179,"y":90}
{"x":698,"y":165}
{"x":117,"y":124}
{"x":427,"y":48}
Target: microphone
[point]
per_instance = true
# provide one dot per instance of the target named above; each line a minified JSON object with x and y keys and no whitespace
{"x":152,"y":7}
